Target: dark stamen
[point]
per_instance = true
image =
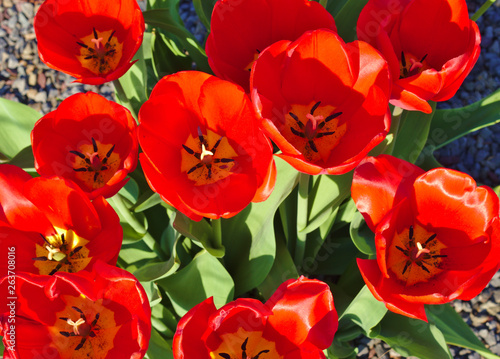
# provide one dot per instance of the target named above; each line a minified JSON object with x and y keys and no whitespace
{"x":297,"y":133}
{"x":216,"y":145}
{"x":244,"y":348}
{"x":95,"y":176}
{"x":76,"y":250}
{"x":56,"y":268}
{"x":45,"y":239}
{"x":403,"y":60}
{"x":258,"y":51}
{"x":188,"y":150}
{"x":62,"y":239}
{"x":225,"y":356}
{"x":79,"y":346}
{"x":62,"y":318}
{"x":80,"y":169}
{"x":313,"y":146}
{"x":223,"y":160}
{"x":110,"y":151}
{"x":95,"y":320}
{"x":261,"y":352}
{"x":209,"y":175}
{"x":111,"y":36}
{"x":82,"y":44}
{"x":421,"y":265}
{"x":439,"y":256}
{"x":89,"y":57}
{"x":192,"y":169}
{"x":94,"y":145}
{"x":402,"y":250}
{"x":95,"y":34}
{"x":79,"y":311}
{"x":42,"y":259}
{"x":323,"y":134}
{"x":430,"y":238}
{"x":315,"y":107}
{"x":294,"y":116}
{"x":332,"y":116}
{"x":406,"y":267}
{"x":67,"y":334}
{"x":411,"y":232}
{"x":423,"y":58}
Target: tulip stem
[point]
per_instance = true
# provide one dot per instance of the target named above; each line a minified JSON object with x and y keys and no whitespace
{"x":482,"y":9}
{"x":217,"y":230}
{"x":302,"y":214}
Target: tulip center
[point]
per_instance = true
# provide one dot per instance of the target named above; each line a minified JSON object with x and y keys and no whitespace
{"x":245,"y":345}
{"x":84,"y":329}
{"x":95,"y":164}
{"x":416,"y":255}
{"x":411,"y":65}
{"x":64,"y":251}
{"x":100,"y":52}
{"x":314,"y":130}
{"x":208,"y":158}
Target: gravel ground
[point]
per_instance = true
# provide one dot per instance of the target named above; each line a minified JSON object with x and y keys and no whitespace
{"x":24,"y":78}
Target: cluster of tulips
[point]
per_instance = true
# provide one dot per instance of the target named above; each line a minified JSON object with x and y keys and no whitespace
{"x":282,"y":75}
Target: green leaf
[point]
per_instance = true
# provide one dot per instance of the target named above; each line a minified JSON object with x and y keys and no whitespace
{"x":152,"y":292}
{"x":334,"y":256}
{"x":204,"y":10}
{"x":202,"y":278}
{"x":249,"y":236}
{"x":163,"y":19}
{"x":413,"y":337}
{"x":347,"y":17}
{"x":131,"y":88}
{"x":158,"y":347}
{"x":24,"y":159}
{"x":455,"y":330}
{"x":199,"y":231}
{"x":365,"y":311}
{"x":412,"y":135}
{"x":16,"y":122}
{"x":167,"y":57}
{"x":341,"y":350}
{"x":362,"y":237}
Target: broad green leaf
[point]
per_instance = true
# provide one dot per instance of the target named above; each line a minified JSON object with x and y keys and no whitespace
{"x":135,"y":255}
{"x":158,"y":347}
{"x":341,"y":350}
{"x":202,"y":278}
{"x":283,"y":269}
{"x":362,"y":237}
{"x":152,"y":292}
{"x":365,"y":311}
{"x":326,"y":194}
{"x":335,"y":256}
{"x":16,"y":122}
{"x":24,"y":159}
{"x":146,"y":200}
{"x":157,"y":270}
{"x":199,"y":231}
{"x":163,"y":19}
{"x":413,"y":337}
{"x":164,"y":320}
{"x":315,"y":241}
{"x":412,"y":134}
{"x":249,"y":236}
{"x":131,"y":88}
{"x":455,"y":330}
{"x":204,"y":10}
{"x":347,"y":17}
{"x":167,"y":57}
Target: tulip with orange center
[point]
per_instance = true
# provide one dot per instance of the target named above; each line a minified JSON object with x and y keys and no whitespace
{"x":322,"y":101}
{"x":100,"y":314}
{"x":430,"y":45}
{"x":241,"y":29}
{"x":437,"y":235}
{"x":203,"y":151}
{"x":89,"y":140}
{"x":298,"y":321}
{"x":91,"y":40}
{"x":52,"y":225}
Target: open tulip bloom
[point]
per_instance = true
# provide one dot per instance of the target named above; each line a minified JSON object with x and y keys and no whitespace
{"x":428,"y":59}
{"x":53,"y":226}
{"x":436,"y":233}
{"x":203,"y":151}
{"x":298,"y":321}
{"x":322,"y":101}
{"x":89,"y":140}
{"x":91,"y":40}
{"x":241,"y":30}
{"x":102,"y":314}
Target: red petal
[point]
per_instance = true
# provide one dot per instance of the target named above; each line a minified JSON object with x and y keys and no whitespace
{"x":303,"y":311}
{"x":379,"y":183}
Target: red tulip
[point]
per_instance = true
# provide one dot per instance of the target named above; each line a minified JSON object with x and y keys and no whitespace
{"x":430,"y":45}
{"x":91,"y":40}
{"x":322,"y":101}
{"x":298,"y":321}
{"x":202,"y":149}
{"x":241,"y":29}
{"x":89,"y":140}
{"x":100,"y":314}
{"x":437,"y":235}
{"x":52,"y":225}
